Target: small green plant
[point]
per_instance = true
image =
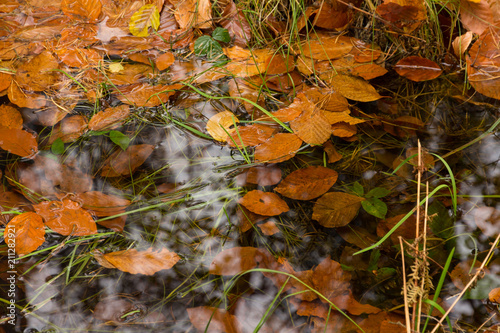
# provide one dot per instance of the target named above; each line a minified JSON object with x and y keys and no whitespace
{"x":372,"y":203}
{"x":209,"y":46}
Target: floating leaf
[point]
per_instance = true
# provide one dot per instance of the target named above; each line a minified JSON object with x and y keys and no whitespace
{"x":327,"y":99}
{"x":343,"y":130}
{"x":352,"y":87}
{"x":311,"y":126}
{"x":461,"y":43}
{"x":494,"y":295}
{"x":239,"y":259}
{"x":109,"y":118}
{"x":333,"y":155}
{"x":263,"y":203}
{"x":279,"y":148}
{"x":308,"y":183}
{"x":69,"y":129}
{"x":26,"y":231}
{"x":165,"y":61}
{"x":487,"y":220}
{"x":326,"y":47}
{"x":403,"y":14}
{"x":250,"y":135}
{"x":193,"y":13}
{"x":145,"y":262}
{"x":476,"y":15}
{"x":38,"y":74}
{"x":79,"y":57}
{"x":101,"y":204}
{"x":269,"y":228}
{"x":235,"y":22}
{"x":145,"y":17}
{"x":144,"y":94}
{"x":124,"y":163}
{"x":57,"y":147}
{"x":417,"y":69}
{"x":336,"y":117}
{"x":336,"y":209}
{"x":10,"y":117}
{"x":66,"y":217}
{"x":18,"y":142}
{"x":120,"y":139}
{"x":218,"y":126}
{"x":25,"y":99}
{"x":88,"y":10}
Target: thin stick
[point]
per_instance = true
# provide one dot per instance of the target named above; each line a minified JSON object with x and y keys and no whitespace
{"x":407,"y":310}
{"x":474,"y":278}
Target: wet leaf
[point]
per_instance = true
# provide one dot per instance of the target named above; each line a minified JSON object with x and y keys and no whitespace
{"x":235,"y":22}
{"x":25,"y":99}
{"x":308,"y":183}
{"x":209,"y":319}
{"x":120,"y":139}
{"x":337,"y":117}
{"x":333,"y":155}
{"x":487,"y":219}
{"x":269,"y":228}
{"x":18,"y":142}
{"x":417,"y":69}
{"x":476,"y":16}
{"x":165,"y":61}
{"x":343,"y":130}
{"x":311,"y":126}
{"x":250,"y":135}
{"x":66,"y":217}
{"x":193,"y":13}
{"x":124,"y":163}
{"x":146,"y":262}
{"x":10,"y":117}
{"x":375,"y":207}
{"x":219,"y":125}
{"x":264,"y":175}
{"x":326,"y":47}
{"x":239,"y":259}
{"x":336,"y":209}
{"x":263,"y":203}
{"x":87,"y":10}
{"x":38,"y":73}
{"x":112,"y":311}
{"x":57,"y":147}
{"x":221,"y":34}
{"x":26,"y":231}
{"x":352,"y":87}
{"x":327,"y":100}
{"x":494,"y":295}
{"x":69,"y":129}
{"x":147,"y":16}
{"x":208,"y":47}
{"x":101,"y":204}
{"x":79,"y":57}
{"x":144,"y":94}
{"x":109,"y":118}
{"x":461,"y":44}
{"x":278,"y":148}
{"x":403,"y":14}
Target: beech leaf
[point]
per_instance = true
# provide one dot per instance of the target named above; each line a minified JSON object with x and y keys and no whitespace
{"x":308,"y":183}
{"x":147,"y":16}
{"x":26,"y":231}
{"x":262,"y":203}
{"x":336,"y":209}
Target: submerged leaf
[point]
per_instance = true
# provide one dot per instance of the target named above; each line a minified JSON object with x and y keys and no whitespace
{"x":336,"y":209}
{"x":147,"y":16}
{"x":238,"y":259}
{"x":308,"y":183}
{"x":123,"y":163}
{"x":219,"y":125}
{"x":262,"y":203}
{"x":279,"y":148}
{"x":26,"y":231}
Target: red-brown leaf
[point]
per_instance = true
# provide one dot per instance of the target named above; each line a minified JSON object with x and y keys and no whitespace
{"x":18,"y":142}
{"x":122,"y":163}
{"x":417,"y":69}
{"x":26,"y":231}
{"x":308,"y":183}
{"x":279,"y":148}
{"x":262,"y":203}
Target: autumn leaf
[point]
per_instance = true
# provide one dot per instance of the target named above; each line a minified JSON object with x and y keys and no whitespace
{"x":109,"y":118}
{"x":38,"y":73}
{"x":326,"y":47}
{"x":87,"y":10}
{"x":235,"y":22}
{"x":239,"y":259}
{"x":101,"y":204}
{"x":165,"y":61}
{"x":250,"y":135}
{"x":262,"y":203}
{"x":210,"y":319}
{"x":218,"y":126}
{"x":146,"y":262}
{"x":352,"y":87}
{"x":124,"y":163}
{"x":66,"y":217}
{"x":25,"y":99}
{"x":308,"y":183}
{"x":193,"y":13}
{"x":311,"y":126}
{"x":336,"y":209}
{"x":264,"y":175}
{"x":18,"y":142}
{"x":144,"y":94}
{"x":333,"y":155}
{"x":147,"y":16}
{"x":10,"y":117}
{"x":69,"y":129}
{"x":269,"y":228}
{"x":278,"y":148}
{"x":417,"y":69}
{"x":26,"y":231}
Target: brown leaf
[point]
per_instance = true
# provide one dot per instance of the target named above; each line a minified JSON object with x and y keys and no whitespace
{"x":327,"y":100}
{"x":417,"y":69}
{"x":66,"y":217}
{"x":86,"y":10}
{"x":69,"y":129}
{"x":308,"y":183}
{"x":124,"y":163}
{"x":250,"y":135}
{"x":113,"y":311}
{"x":336,"y":209}
{"x":333,"y":15}
{"x":494,"y":295}
{"x":239,"y":259}
{"x":101,"y":204}
{"x":38,"y":73}
{"x":337,"y":117}
{"x":403,"y":14}
{"x":330,"y":279}
{"x":476,"y":16}
{"x":235,"y":22}
{"x":10,"y":117}
{"x":165,"y":61}
{"x":406,"y":230}
{"x":248,"y":90}
{"x":25,"y":99}
{"x":352,"y":87}
{"x":219,"y":125}
{"x":79,"y":57}
{"x":461,"y":43}
{"x":279,"y":148}
{"x":212,"y":320}
{"x":262,"y":203}
{"x":269,"y":228}
{"x":311,"y":126}
{"x":18,"y":142}
{"x":193,"y":13}
{"x":264,"y":175}
{"x":343,"y":130}
{"x":145,"y":262}
{"x":110,"y":118}
{"x":26,"y":231}
{"x":333,"y":155}
{"x":144,"y":94}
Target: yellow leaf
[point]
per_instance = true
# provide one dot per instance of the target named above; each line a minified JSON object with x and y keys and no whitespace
{"x":147,"y":16}
{"x":218,"y":126}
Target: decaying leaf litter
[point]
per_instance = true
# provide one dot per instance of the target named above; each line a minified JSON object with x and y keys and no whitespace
{"x":170,"y":146}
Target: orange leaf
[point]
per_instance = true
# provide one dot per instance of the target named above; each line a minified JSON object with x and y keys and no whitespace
{"x":145,"y":262}
{"x":264,"y":175}
{"x":25,"y":99}
{"x":235,"y":22}
{"x":165,"y":61}
{"x":69,"y":129}
{"x":343,"y":130}
{"x":351,"y":87}
{"x":404,"y":14}
{"x":101,"y":204}
{"x":326,"y":47}
{"x":26,"y":231}
{"x":336,"y":117}
{"x":239,"y":259}
{"x":269,"y":228}
{"x":79,"y":57}
{"x":262,"y":203}
{"x":5,"y":80}
{"x":333,"y":155}
{"x":10,"y":117}
{"x":123,"y":163}
{"x":87,"y":10}
{"x":193,"y":13}
{"x":279,"y":148}
{"x":251,"y":135}
{"x":110,"y":118}
{"x":144,"y":94}
{"x":476,"y":15}
{"x":209,"y":319}
{"x":18,"y":142}
{"x":494,"y":295}
{"x":417,"y":69}
{"x":336,"y":209}
{"x":66,"y":217}
{"x":38,"y":73}
{"x":218,"y":126}
{"x":311,"y":126}
{"x":327,"y":100}
{"x":308,"y":183}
